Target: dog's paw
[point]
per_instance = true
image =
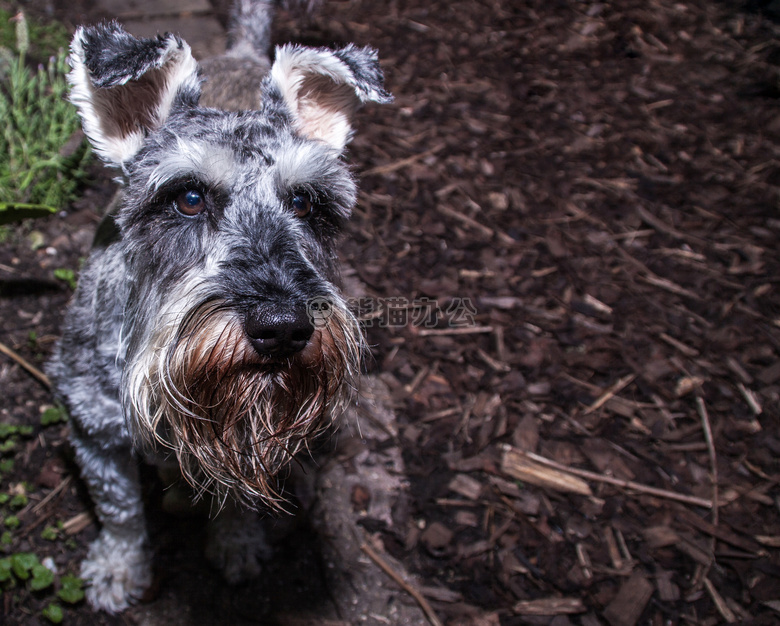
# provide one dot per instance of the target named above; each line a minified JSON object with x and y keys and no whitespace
{"x":237,"y":546}
{"x":117,"y":570}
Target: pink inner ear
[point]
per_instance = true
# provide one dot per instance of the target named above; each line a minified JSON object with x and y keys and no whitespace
{"x":325,"y":110}
{"x":128,"y":108}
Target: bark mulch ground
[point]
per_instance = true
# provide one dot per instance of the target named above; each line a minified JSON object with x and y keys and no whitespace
{"x":568,"y":224}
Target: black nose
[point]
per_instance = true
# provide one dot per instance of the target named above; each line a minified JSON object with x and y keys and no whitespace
{"x":276,"y":330}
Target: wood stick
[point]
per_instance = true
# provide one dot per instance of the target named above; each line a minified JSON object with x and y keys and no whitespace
{"x":705,"y":423}
{"x":549,"y":606}
{"x":402,"y":163}
{"x":465,"y":219}
{"x":387,"y":569}
{"x":626,"y":484}
{"x":610,"y":393}
{"x":457,"y":330}
{"x":52,"y":494}
{"x":720,"y":603}
{"x":751,"y":399}
{"x":42,"y":378}
{"x":518,"y":465}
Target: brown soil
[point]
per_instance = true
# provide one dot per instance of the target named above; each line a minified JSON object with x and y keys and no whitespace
{"x":589,"y":194}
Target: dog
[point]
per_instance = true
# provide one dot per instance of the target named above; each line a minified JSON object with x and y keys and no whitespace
{"x":207,"y":330}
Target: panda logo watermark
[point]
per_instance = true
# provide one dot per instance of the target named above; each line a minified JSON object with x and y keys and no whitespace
{"x":320,"y":310}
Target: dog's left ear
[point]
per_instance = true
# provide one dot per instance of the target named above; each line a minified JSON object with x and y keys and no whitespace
{"x":323,"y":88}
{"x":125,"y":87}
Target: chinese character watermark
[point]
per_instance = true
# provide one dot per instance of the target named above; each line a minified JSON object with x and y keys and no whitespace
{"x":398,"y":312}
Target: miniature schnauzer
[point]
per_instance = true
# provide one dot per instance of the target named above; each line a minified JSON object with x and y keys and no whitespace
{"x":206,"y":330}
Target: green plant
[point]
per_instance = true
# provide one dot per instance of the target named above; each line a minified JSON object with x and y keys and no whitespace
{"x":9,"y":439}
{"x":25,"y":566}
{"x":26,"y":571}
{"x":49,"y":533}
{"x":72,"y":589}
{"x":53,"y":613}
{"x":66,"y":275}
{"x":18,"y":501}
{"x":39,"y":167}
{"x":54,"y":415}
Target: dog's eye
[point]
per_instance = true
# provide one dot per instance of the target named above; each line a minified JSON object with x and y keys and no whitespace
{"x":301,"y":205}
{"x":190,"y":202}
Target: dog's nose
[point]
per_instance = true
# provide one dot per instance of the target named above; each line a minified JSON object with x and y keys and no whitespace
{"x":278,"y":331}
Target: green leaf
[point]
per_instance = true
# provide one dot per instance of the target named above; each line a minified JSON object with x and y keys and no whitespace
{"x":22,"y":563}
{"x":5,"y":569}
{"x":12,"y":521}
{"x":72,"y":589}
{"x":53,"y":414}
{"x":42,"y":577}
{"x":49,"y":533}
{"x":53,"y":613}
{"x":66,"y":275}
{"x":19,"y":501}
{"x":12,"y":212}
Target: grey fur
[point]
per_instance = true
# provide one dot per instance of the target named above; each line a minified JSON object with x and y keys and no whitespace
{"x":170,"y":303}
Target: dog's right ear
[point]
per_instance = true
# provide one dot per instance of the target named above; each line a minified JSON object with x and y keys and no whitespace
{"x":323,"y":88}
{"x":125,"y":87}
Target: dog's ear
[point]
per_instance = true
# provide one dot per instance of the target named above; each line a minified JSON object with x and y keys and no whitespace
{"x":125,"y":87}
{"x":323,"y":88}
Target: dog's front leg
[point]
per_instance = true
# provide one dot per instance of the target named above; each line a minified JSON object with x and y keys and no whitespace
{"x":237,"y":543}
{"x":118,"y":566}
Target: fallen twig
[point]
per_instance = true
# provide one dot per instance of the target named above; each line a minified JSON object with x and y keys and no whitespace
{"x":387,"y":569}
{"x":77,"y":523}
{"x":705,"y":423}
{"x":751,"y":399}
{"x":518,"y":465}
{"x":465,"y":219}
{"x":549,"y":606}
{"x":35,"y":510}
{"x":679,"y":345}
{"x":52,"y":494}
{"x":457,"y":330}
{"x":42,"y":378}
{"x":626,"y":484}
{"x":402,"y":163}
{"x":610,"y":393}
{"x":720,"y":603}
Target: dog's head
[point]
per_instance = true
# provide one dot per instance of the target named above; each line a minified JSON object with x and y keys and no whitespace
{"x":226,"y":237}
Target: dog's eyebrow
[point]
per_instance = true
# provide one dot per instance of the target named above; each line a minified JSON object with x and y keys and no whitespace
{"x":214,"y":164}
{"x":306,"y":163}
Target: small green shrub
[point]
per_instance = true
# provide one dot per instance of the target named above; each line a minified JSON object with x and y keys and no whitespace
{"x":40,"y":163}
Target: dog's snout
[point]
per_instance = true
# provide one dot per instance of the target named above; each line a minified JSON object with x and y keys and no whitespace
{"x":278,"y":331}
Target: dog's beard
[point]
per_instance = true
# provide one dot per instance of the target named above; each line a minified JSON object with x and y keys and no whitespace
{"x":233,"y":418}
